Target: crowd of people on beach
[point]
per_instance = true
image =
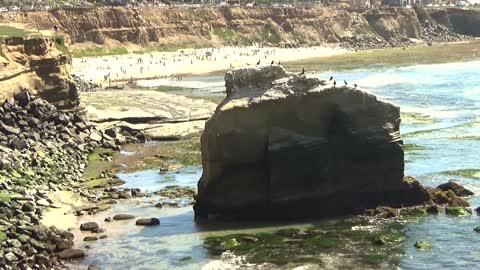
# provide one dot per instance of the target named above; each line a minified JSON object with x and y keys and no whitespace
{"x":109,"y":70}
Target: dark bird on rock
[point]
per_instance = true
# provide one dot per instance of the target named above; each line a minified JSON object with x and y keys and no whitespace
{"x":303,"y":71}
{"x":279,"y":63}
{"x":271,"y":64}
{"x":258,"y":63}
{"x":334,"y":83}
{"x":331,"y":78}
{"x":355,"y":85}
{"x":345,"y":82}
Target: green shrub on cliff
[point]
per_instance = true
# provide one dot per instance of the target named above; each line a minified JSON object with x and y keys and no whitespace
{"x":269,"y":35}
{"x":100,"y":52}
{"x":225,"y":34}
{"x":60,"y":44}
{"x":10,"y":31}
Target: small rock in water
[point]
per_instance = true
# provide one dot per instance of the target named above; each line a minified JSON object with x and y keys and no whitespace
{"x":90,"y":238}
{"x":160,"y":205}
{"x":98,"y":230}
{"x":185,"y":259}
{"x":93,"y":267}
{"x":123,"y":217}
{"x":103,"y":236}
{"x":148,"y":222}
{"x":456,"y":188}
{"x":71,"y":253}
{"x":108,"y":219}
{"x":422,"y":245}
{"x":458,"y":211}
{"x":477,"y":229}
{"x":89,"y":226}
{"x":433,"y":210}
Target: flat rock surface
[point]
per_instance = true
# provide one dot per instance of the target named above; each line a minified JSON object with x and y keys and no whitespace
{"x":159,"y":114}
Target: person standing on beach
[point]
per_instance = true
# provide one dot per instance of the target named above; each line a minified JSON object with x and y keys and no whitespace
{"x":55,"y":29}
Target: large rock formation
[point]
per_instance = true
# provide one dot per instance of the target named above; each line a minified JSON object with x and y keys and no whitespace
{"x":40,"y":64}
{"x":286,"y":145}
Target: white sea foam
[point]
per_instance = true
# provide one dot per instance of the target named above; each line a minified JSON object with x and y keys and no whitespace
{"x":382,"y":79}
{"x":186,"y":84}
{"x":438,"y":112}
{"x":446,"y":67}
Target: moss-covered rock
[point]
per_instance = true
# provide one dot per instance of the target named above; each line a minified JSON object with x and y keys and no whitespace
{"x":458,"y":211}
{"x":293,"y":246}
{"x":422,"y":245}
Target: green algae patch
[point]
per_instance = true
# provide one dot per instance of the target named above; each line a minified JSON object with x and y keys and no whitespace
{"x":99,"y":52}
{"x":103,"y":182}
{"x":165,"y":156}
{"x":416,"y":118}
{"x":422,"y":245}
{"x":229,"y":244}
{"x":468,"y":173}
{"x":3,"y":237}
{"x":414,"y":212}
{"x":392,"y":57}
{"x":185,"y":259}
{"x":97,"y":163}
{"x":457,"y":211}
{"x":294,"y":247}
{"x":413,"y":147}
{"x":5,"y":197}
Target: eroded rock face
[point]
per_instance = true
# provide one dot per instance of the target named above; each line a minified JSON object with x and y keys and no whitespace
{"x":284,"y":145}
{"x":41,"y":65}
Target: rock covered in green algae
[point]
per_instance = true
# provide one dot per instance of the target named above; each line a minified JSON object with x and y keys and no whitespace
{"x":458,"y":211}
{"x":415,"y":212}
{"x":422,"y":245}
{"x":293,"y":246}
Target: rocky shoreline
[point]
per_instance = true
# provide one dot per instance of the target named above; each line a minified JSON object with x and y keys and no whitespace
{"x":42,"y":150}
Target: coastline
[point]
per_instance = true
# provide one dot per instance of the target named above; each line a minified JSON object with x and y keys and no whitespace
{"x":177,"y":64}
{"x":127,"y":68}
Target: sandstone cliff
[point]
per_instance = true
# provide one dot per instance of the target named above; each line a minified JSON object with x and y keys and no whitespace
{"x":39,"y":65}
{"x":287,"y":145}
{"x":219,"y":26}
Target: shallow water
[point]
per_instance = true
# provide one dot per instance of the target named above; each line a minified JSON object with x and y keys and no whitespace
{"x":440,"y":111}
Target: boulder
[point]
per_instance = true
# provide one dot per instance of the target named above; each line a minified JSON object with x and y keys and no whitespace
{"x":148,"y":222}
{"x":90,"y":238}
{"x":456,"y":188}
{"x":284,"y":145}
{"x":71,"y":253}
{"x":123,"y":217}
{"x":89,"y":226}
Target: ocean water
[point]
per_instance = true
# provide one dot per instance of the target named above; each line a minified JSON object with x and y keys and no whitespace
{"x":440,"y":107}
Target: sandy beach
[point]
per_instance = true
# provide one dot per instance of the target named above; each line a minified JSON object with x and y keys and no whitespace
{"x":110,"y":69}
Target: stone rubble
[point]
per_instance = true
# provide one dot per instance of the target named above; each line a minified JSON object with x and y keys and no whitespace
{"x":42,"y":150}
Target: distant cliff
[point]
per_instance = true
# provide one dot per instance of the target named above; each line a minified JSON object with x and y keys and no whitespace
{"x":220,"y":26}
{"x":41,"y":65}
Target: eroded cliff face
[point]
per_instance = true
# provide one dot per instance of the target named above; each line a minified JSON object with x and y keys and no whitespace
{"x":285,"y":145}
{"x":462,"y":21}
{"x":39,"y":65}
{"x":219,"y":26}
